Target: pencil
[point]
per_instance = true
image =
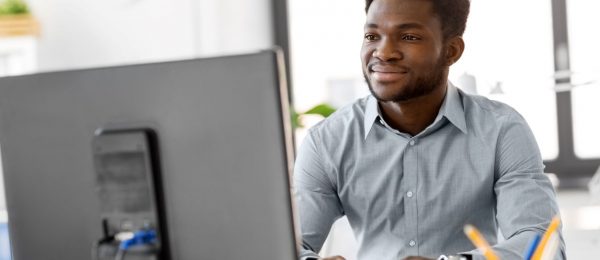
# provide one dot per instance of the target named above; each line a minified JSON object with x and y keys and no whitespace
{"x":532,"y":246}
{"x":478,"y":240}
{"x":551,"y":229}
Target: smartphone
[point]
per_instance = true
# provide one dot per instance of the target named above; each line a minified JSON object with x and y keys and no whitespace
{"x":128,"y":182}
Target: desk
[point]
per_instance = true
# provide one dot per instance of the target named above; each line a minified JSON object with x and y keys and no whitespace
{"x":581,"y":219}
{"x":581,"y":224}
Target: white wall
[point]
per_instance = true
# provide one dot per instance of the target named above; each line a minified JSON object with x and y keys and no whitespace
{"x":325,"y":39}
{"x":88,"y":33}
{"x":232,"y":26}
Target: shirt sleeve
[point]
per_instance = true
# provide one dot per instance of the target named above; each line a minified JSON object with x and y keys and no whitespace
{"x":316,"y":196}
{"x":525,"y":198}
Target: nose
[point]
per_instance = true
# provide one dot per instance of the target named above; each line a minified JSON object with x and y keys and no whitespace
{"x":387,"y":50}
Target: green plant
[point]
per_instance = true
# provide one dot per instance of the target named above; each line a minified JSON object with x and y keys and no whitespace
{"x":9,"y":7}
{"x":321,"y":109}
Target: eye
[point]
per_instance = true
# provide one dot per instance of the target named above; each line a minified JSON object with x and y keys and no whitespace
{"x":409,"y":37}
{"x":370,"y":37}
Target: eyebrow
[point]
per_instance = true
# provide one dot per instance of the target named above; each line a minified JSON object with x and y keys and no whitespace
{"x":404,"y":26}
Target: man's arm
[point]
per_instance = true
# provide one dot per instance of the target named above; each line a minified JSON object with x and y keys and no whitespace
{"x":316,"y":195}
{"x":525,"y":199}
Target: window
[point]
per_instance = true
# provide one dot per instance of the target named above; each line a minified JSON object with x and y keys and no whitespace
{"x":512,"y":61}
{"x":583,"y":43}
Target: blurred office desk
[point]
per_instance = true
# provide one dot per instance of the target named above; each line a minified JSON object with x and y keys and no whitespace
{"x":581,"y":224}
{"x":580,"y":215}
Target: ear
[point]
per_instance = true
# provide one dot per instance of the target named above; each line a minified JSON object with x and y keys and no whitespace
{"x":454,"y":49}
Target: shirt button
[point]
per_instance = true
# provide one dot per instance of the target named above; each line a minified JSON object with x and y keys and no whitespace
{"x":412,"y":142}
{"x":409,"y":194}
{"x":412,"y":243}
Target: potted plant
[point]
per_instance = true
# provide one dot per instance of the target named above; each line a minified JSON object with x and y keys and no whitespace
{"x":16,"y":19}
{"x":322,"y":109}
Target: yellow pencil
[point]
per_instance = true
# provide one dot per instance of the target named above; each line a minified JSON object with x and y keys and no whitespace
{"x":478,"y":240}
{"x":551,"y":229}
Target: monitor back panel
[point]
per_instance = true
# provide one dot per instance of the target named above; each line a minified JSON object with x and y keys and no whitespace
{"x":224,"y":154}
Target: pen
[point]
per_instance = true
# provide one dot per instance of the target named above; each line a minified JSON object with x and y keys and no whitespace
{"x":478,"y":240}
{"x":551,"y":229}
{"x":532,"y":245}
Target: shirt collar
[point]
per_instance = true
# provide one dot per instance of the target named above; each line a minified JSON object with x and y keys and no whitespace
{"x":371,"y":114}
{"x":452,"y":108}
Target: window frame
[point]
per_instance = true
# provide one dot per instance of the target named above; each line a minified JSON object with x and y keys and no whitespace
{"x":572,"y":171}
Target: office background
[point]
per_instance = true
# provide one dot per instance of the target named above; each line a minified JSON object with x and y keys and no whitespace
{"x":539,"y":56}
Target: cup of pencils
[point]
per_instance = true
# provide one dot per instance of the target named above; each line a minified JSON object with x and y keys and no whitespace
{"x":540,"y":248}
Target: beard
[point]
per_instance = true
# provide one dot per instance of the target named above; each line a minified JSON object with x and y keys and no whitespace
{"x":423,"y":84}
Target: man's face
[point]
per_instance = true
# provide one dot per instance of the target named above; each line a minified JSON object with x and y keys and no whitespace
{"x":403,"y":53}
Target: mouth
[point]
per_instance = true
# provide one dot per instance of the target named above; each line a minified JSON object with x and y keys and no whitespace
{"x":387,"y":73}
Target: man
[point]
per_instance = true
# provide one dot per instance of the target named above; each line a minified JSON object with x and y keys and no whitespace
{"x":414,"y":162}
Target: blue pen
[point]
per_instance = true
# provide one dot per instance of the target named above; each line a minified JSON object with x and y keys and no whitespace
{"x":532,"y":246}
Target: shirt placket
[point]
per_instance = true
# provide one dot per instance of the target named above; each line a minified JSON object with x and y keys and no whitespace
{"x":409,"y":185}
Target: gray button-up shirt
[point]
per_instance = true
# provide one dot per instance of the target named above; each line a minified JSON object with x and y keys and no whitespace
{"x":477,"y":163}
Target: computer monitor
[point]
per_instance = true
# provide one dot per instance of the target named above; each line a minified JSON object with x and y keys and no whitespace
{"x":222,"y":127}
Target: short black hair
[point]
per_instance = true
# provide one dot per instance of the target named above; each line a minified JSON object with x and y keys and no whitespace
{"x":452,"y":13}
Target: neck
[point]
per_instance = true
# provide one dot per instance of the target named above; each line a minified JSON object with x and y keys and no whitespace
{"x":413,"y":116}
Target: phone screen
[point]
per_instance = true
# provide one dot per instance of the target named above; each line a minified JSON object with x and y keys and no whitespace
{"x":122,"y":181}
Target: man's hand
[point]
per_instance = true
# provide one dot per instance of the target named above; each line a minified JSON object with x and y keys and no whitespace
{"x":337,"y":257}
{"x":417,"y":258}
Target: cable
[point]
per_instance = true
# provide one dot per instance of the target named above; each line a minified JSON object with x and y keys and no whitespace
{"x":141,"y":237}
